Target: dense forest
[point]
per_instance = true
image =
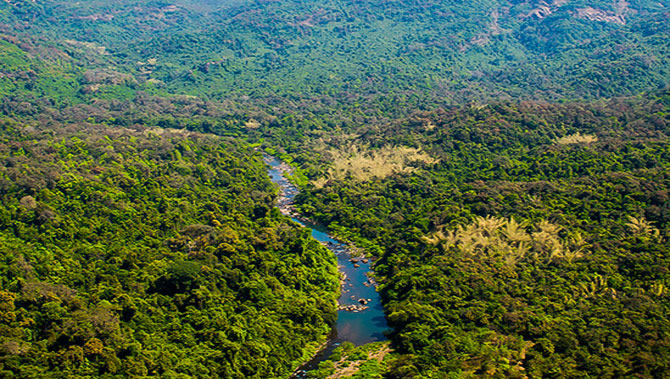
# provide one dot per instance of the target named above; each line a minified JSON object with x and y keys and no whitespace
{"x":339,"y":56}
{"x":506,"y":164}
{"x":534,"y":244}
{"x":133,"y":253}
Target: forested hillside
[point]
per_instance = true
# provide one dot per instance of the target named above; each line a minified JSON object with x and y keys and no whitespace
{"x":536,"y":244}
{"x":505,"y":164}
{"x":375,"y":54}
{"x":151,"y":253}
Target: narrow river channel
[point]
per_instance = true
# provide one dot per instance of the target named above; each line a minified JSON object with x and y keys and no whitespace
{"x":360,"y":318}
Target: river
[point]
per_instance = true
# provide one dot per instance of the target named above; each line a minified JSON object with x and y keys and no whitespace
{"x":360,"y":318}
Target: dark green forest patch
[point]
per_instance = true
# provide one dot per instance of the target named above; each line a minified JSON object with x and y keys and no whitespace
{"x":151,"y":253}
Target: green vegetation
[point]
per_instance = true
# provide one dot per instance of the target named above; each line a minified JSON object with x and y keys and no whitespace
{"x":359,"y":362}
{"x":521,"y":252}
{"x":151,"y":253}
{"x":345,"y":60}
{"x":507,"y":162}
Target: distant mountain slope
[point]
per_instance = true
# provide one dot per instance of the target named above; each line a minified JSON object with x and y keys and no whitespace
{"x":441,"y":51}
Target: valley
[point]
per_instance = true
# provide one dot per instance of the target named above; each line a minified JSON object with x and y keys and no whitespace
{"x":334,"y":188}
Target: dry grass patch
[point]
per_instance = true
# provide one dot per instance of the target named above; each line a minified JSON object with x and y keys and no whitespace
{"x":102,"y":50}
{"x":358,"y":162}
{"x":252,"y":124}
{"x":577,"y":138}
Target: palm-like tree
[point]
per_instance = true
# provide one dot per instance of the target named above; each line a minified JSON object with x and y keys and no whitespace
{"x":548,"y":227}
{"x":509,"y":240}
{"x":489,"y":224}
{"x":515,"y":231}
{"x":642,"y":228}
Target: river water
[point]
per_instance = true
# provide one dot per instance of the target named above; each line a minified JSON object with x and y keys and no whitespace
{"x":359,"y":323}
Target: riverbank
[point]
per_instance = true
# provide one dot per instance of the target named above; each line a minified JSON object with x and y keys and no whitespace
{"x":361,"y":318}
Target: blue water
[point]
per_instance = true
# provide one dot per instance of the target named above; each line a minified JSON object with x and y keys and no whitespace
{"x":360,"y":327}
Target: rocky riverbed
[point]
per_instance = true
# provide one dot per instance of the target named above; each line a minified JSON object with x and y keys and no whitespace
{"x":361,"y":317}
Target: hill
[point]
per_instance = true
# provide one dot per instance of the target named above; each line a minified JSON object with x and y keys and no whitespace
{"x":369,"y":54}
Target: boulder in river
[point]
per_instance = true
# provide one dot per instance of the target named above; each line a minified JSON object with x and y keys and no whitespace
{"x":352,"y":308}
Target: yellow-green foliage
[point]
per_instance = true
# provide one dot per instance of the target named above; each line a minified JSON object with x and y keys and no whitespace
{"x":640,"y":227}
{"x":510,"y":240}
{"x":360,"y":163}
{"x":577,"y":138}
